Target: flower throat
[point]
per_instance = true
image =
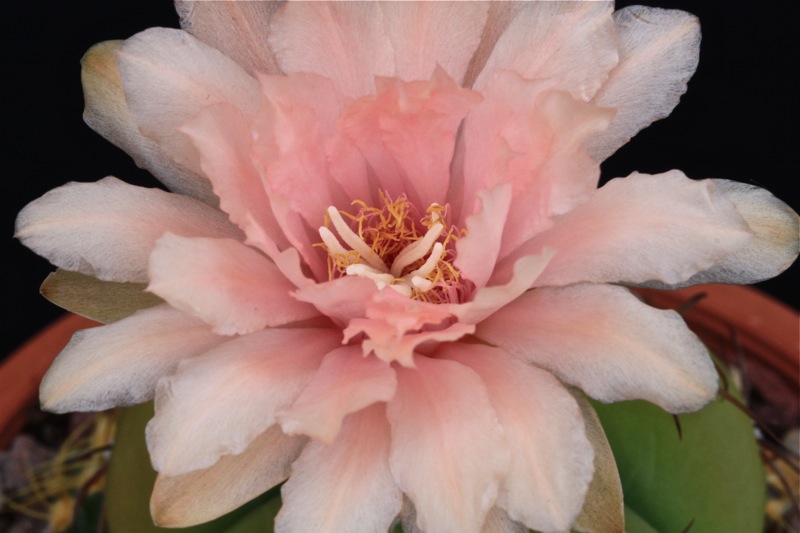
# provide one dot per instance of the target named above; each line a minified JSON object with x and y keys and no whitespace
{"x":395,"y":246}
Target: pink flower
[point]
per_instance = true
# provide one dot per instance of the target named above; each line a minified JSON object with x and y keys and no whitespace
{"x":385,"y":254}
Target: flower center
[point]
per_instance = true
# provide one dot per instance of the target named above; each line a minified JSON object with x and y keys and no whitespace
{"x":396,"y":247}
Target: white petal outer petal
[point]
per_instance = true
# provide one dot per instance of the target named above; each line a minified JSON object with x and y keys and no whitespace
{"x":775,"y":246}
{"x":169,"y":76}
{"x":119,"y":364}
{"x":573,"y":43}
{"x":659,"y":50}
{"x":107,"y":229}
{"x":448,"y":449}
{"x":602,"y":339}
{"x":346,"y":382}
{"x":216,"y":404}
{"x":229,"y":285}
{"x":106,"y":112}
{"x":633,"y":230}
{"x":344,"y":487}
{"x":203,"y":495}
{"x":551,"y":456}
{"x":237,"y":29}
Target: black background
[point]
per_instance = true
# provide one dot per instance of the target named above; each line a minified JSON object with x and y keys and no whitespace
{"x":737,"y":121}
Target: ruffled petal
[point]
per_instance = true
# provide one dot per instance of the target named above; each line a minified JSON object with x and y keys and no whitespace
{"x":107,"y":113}
{"x":345,"y":486}
{"x":448,"y":449}
{"x":773,"y":249}
{"x":169,"y":76}
{"x":342,"y":299}
{"x":602,"y":339}
{"x":343,"y":41}
{"x":119,"y":364}
{"x":574,"y":43}
{"x":203,"y":495}
{"x":641,"y":228}
{"x":658,"y":52}
{"x":237,"y":29}
{"x":552,"y":460}
{"x":423,"y":36}
{"x":217,"y":404}
{"x":232,"y":287}
{"x":108,"y":228}
{"x":346,"y":382}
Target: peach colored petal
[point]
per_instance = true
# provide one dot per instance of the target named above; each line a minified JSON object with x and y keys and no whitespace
{"x":346,"y":382}
{"x":108,"y":228}
{"x":343,"y":41}
{"x":572,"y":42}
{"x":119,"y":364}
{"x":604,"y":340}
{"x":641,"y":228}
{"x":497,"y":521}
{"x":237,"y":29}
{"x":659,"y":50}
{"x":552,"y":460}
{"x":242,"y":291}
{"x":449,"y":453}
{"x":221,"y":134}
{"x":216,"y":404}
{"x":107,"y":113}
{"x":423,"y":36}
{"x":203,"y":495}
{"x":169,"y":76}
{"x":346,"y":486}
{"x":342,"y":299}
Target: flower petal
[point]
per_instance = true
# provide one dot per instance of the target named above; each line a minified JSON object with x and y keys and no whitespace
{"x":550,"y":454}
{"x":341,"y":299}
{"x":448,"y":450}
{"x":346,"y":486}
{"x":217,"y":404}
{"x":602,"y":339}
{"x":658,"y":52}
{"x":108,"y":228}
{"x":343,"y":41}
{"x":424,"y":36}
{"x":203,"y":495}
{"x":641,"y":228}
{"x":119,"y":364}
{"x":169,"y":76}
{"x":225,"y":283}
{"x":237,"y":29}
{"x":572,"y":42}
{"x":346,"y":382}
{"x":775,"y":246}
{"x":107,"y":113}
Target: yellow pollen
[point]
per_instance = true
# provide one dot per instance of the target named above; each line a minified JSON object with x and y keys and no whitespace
{"x":378,"y":236}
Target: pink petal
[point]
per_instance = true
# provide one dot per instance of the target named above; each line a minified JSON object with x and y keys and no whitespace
{"x":345,"y":383}
{"x":242,"y":291}
{"x":237,"y":29}
{"x":108,"y":228}
{"x":119,"y":364}
{"x":169,"y":76}
{"x":424,"y":36}
{"x":604,"y":340}
{"x":346,"y":486}
{"x":345,"y":42}
{"x":658,"y":52}
{"x":773,"y":249}
{"x":552,"y":458}
{"x":531,"y":137}
{"x":217,"y":404}
{"x":664,"y":227}
{"x":572,"y":42}
{"x":448,"y":450}
{"x":221,"y":134}
{"x":477,"y":251}
{"x":342,"y":299}
{"x":107,"y":113}
{"x":203,"y":495}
